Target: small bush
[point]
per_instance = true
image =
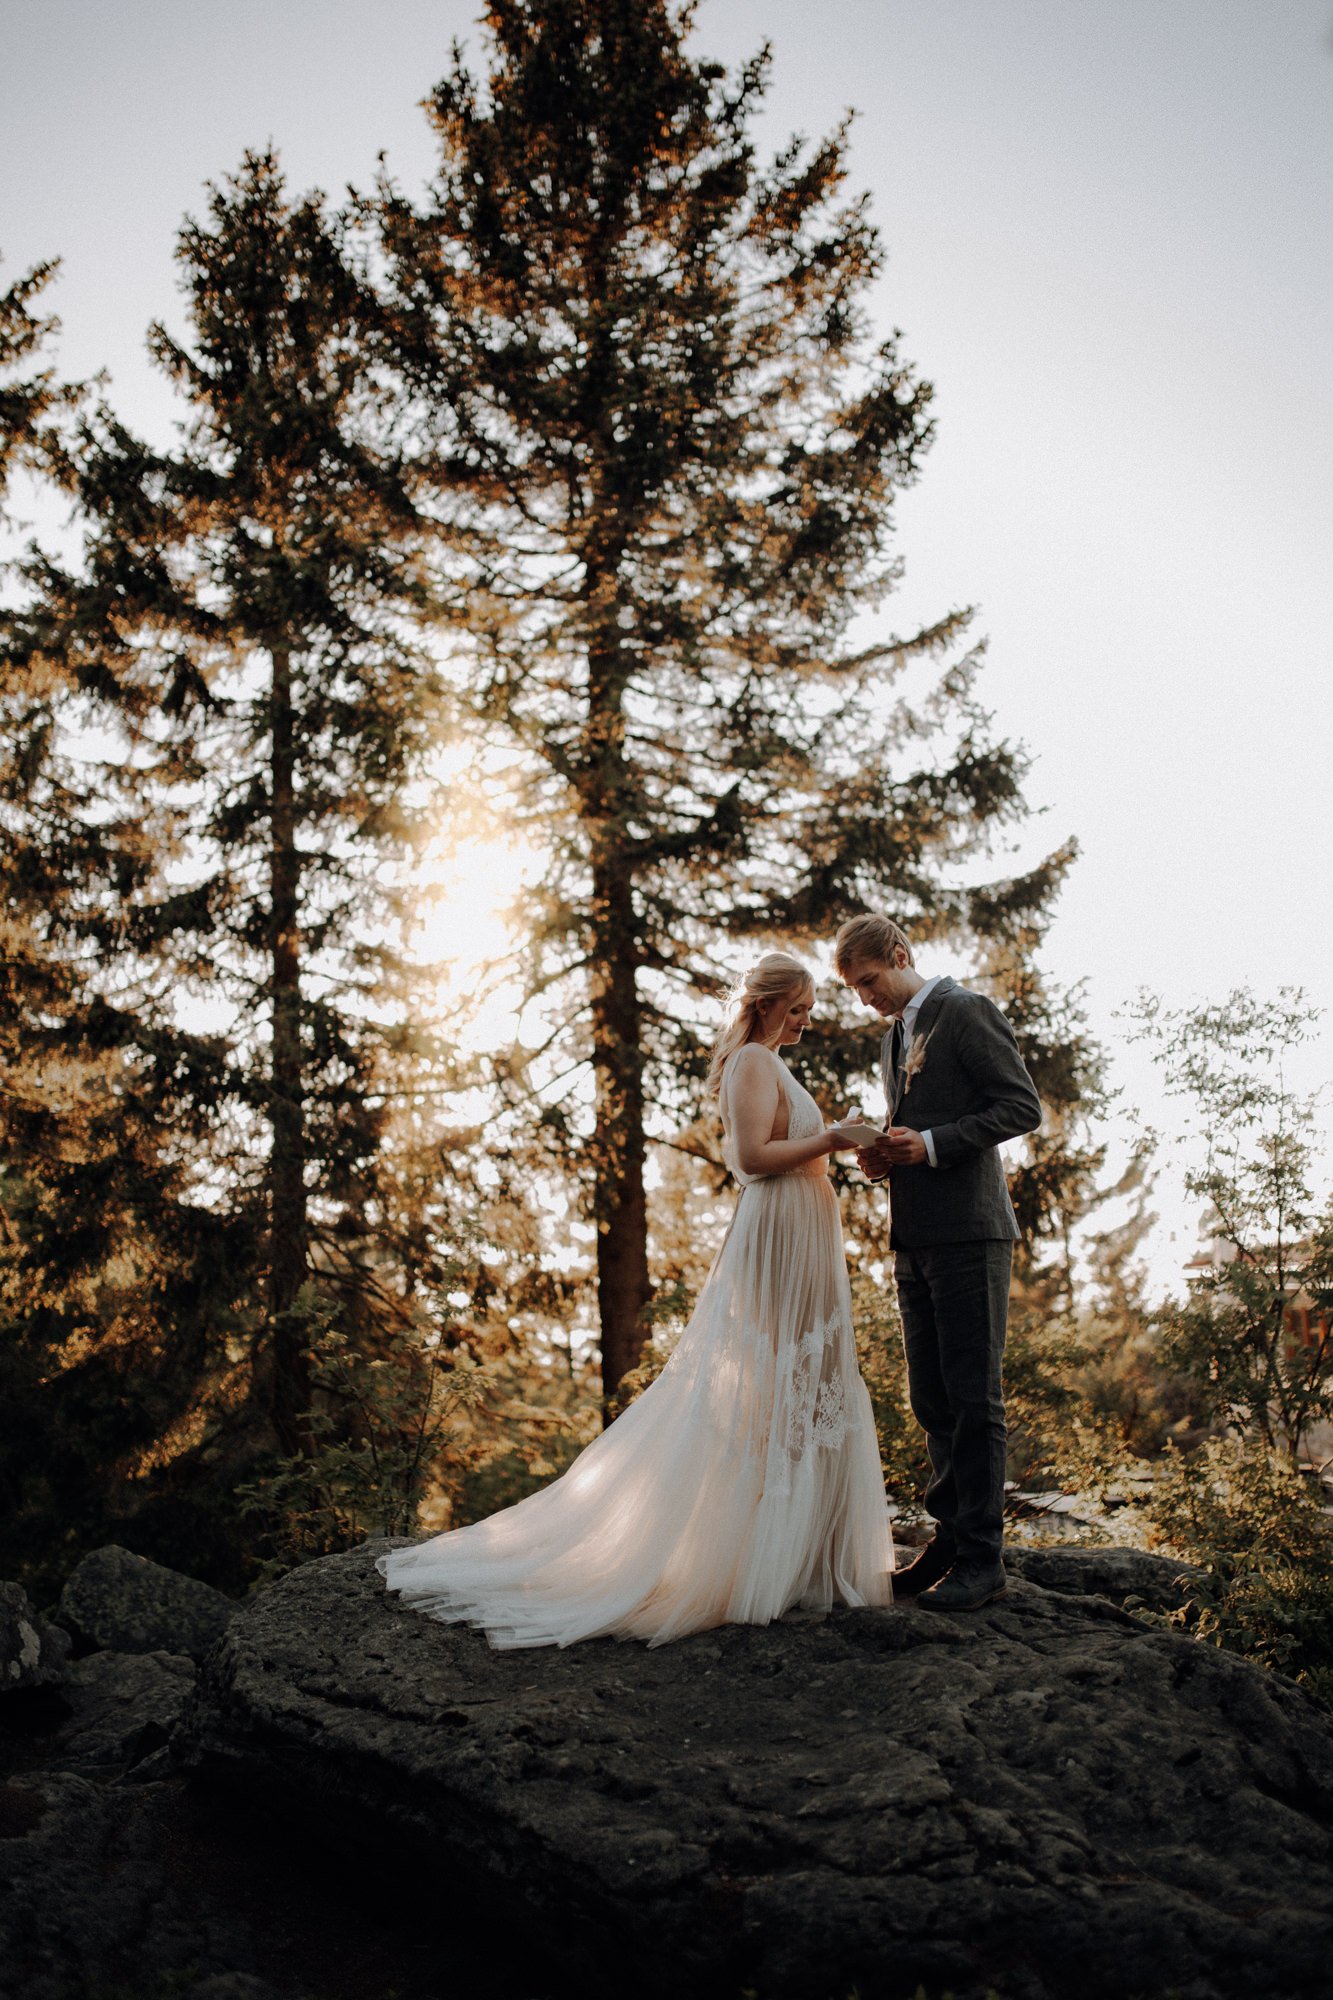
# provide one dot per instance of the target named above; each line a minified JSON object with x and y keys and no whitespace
{"x":379,"y":1425}
{"x":1266,"y":1542}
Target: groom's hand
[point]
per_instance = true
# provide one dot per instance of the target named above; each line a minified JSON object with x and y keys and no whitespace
{"x":901,"y":1147}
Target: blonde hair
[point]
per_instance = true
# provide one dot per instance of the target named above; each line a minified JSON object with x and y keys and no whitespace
{"x":771,"y":977}
{"x":868,"y":937}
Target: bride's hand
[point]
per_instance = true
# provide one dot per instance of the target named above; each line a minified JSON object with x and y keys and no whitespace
{"x":848,"y":1135}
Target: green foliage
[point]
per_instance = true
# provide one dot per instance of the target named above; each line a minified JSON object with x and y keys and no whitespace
{"x":215,"y":732}
{"x":432,"y":1425}
{"x":879,"y":1355}
{"x":1136,"y":1396}
{"x":380,"y":1426}
{"x":666,"y":1318}
{"x":540,"y":1422}
{"x":118,"y":1381}
{"x":1055,"y":1440}
{"x":32,"y":398}
{"x":121,"y":1296}
{"x":1232,"y":1335}
{"x":1265,"y":1539}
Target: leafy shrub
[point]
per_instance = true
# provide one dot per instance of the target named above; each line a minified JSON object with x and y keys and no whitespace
{"x":378,"y":1425}
{"x":1265,"y":1542}
{"x":879,"y":1355}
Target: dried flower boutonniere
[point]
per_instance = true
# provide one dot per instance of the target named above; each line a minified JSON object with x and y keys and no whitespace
{"x":916,"y":1060}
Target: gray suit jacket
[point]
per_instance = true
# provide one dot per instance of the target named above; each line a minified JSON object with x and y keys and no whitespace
{"x":971,"y":1092}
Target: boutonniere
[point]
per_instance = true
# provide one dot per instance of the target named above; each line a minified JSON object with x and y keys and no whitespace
{"x":916,"y":1059}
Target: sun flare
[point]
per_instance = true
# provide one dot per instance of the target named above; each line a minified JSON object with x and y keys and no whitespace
{"x":468,"y":926}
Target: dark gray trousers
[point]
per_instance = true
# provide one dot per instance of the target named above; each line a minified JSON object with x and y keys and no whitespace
{"x":954,"y":1299}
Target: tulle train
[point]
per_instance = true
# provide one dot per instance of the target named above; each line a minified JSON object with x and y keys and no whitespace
{"x":744,"y":1481}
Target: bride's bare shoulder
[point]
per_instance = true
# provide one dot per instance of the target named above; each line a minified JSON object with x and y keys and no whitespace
{"x":753,"y":1064}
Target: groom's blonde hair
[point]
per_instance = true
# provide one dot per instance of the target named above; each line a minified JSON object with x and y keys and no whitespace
{"x":868,"y":937}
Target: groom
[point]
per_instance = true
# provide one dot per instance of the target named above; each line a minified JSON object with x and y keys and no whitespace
{"x":956,"y":1089}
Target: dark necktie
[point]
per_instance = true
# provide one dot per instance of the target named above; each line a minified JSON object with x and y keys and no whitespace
{"x":900,"y":1060}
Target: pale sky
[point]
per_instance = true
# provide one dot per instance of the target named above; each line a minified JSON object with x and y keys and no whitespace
{"x":1110,"y":237}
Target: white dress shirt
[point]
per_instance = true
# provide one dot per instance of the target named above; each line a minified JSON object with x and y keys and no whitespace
{"x":908,"y":1018}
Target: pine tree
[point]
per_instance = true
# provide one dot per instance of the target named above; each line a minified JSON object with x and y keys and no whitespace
{"x":33,"y":404}
{"x":662,"y":446}
{"x":31,"y":396}
{"x":30,"y":399}
{"x":1255,"y":1332}
{"x":99,"y":1252}
{"x":246,"y":605}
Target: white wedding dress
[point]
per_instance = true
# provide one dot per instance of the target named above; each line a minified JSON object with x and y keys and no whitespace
{"x":743,"y":1481}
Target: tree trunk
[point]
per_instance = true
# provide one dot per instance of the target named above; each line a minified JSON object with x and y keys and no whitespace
{"x":620,"y":1207}
{"x":290,"y":1379}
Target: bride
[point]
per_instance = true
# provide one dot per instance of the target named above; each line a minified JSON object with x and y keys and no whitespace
{"x":745,"y":1479}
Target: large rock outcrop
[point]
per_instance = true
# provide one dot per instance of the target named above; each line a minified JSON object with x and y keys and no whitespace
{"x":110,"y":1885}
{"x":123,"y":1708}
{"x":1130,"y":1578}
{"x":125,"y":1603}
{"x":88,"y":1907}
{"x":1049,"y":1798}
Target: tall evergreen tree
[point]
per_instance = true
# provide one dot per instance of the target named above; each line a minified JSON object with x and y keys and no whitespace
{"x":32,"y":404}
{"x":99,"y":1253}
{"x":662,"y":446}
{"x":30,"y":399}
{"x":246,"y":603}
{"x":31,"y":396}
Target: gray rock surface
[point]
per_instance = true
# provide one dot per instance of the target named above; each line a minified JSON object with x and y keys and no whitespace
{"x":32,"y":1653}
{"x":124,"y":1707}
{"x":86,"y":1905}
{"x":112,"y":1891}
{"x":1125,"y":1576}
{"x":124,"y":1603}
{"x":118,"y":1881}
{"x":231,"y":1986}
{"x":1048,"y":1798}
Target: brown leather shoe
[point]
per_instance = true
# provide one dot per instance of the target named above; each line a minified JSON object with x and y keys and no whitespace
{"x":934,"y":1562}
